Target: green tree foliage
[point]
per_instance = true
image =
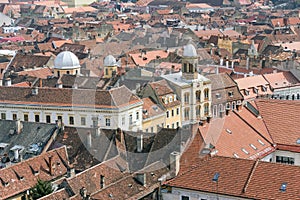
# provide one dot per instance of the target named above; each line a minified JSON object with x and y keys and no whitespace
{"x":41,"y":189}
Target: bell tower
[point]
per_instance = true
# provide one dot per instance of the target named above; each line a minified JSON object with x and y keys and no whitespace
{"x":189,"y":63}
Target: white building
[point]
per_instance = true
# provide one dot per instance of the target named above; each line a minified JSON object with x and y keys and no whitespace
{"x":193,"y":89}
{"x":115,"y":108}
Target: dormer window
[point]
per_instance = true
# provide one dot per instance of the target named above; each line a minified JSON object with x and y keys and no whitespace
{"x":246,"y":92}
{"x":264,"y":88}
{"x":170,"y":99}
{"x":218,"y":96}
{"x":230,"y":93}
{"x":255,"y":90}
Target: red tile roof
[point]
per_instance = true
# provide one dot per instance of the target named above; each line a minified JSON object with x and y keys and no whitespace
{"x":233,"y":137}
{"x":12,"y":175}
{"x":281,"y":79}
{"x":280,"y":117}
{"x":241,"y":178}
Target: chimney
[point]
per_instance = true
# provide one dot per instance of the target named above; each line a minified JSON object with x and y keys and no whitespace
{"x":41,"y":83}
{"x":19,"y":126}
{"x":238,"y":107}
{"x":121,"y":135}
{"x":227,"y":63}
{"x":98,"y":132}
{"x":139,"y":143}
{"x":141,"y":178}
{"x":217,"y":69}
{"x":247,"y":63}
{"x":89,"y":139}
{"x":221,"y":61}
{"x":16,"y":154}
{"x":232,"y":64}
{"x":71,"y":172}
{"x":8,"y":82}
{"x":50,"y":166}
{"x":174,"y":163}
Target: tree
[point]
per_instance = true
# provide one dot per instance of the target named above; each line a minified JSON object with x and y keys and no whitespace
{"x":41,"y":189}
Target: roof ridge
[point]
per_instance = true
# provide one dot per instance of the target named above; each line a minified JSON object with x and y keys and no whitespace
{"x":250,"y":175}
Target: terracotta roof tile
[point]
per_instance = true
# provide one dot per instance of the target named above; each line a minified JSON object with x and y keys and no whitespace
{"x":251,"y":180}
{"x":280,"y":117}
{"x":24,"y":169}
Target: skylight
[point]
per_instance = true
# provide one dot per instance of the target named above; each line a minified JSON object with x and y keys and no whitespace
{"x":216,"y":177}
{"x":235,"y":155}
{"x":245,"y":151}
{"x":228,"y":131}
{"x":253,"y":147}
{"x":283,"y":187}
{"x":261,"y":142}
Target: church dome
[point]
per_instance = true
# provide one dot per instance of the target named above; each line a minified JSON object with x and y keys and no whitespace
{"x":66,"y":60}
{"x":189,"y":51}
{"x":109,"y":61}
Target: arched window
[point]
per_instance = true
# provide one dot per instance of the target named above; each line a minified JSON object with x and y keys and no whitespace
{"x":198,"y":95}
{"x":186,"y":98}
{"x":191,"y":68}
{"x":206,"y":94}
{"x":206,"y":109}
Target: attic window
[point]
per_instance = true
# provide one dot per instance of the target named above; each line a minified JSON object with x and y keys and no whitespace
{"x":283,"y":187}
{"x":253,"y":147}
{"x":255,"y":90}
{"x":261,"y":142}
{"x":246,"y":92}
{"x":264,"y":88}
{"x":218,"y":96}
{"x":245,"y":151}
{"x":170,"y":99}
{"x":230,"y":94}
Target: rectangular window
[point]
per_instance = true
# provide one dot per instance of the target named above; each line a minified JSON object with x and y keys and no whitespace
{"x":137,"y":115}
{"x":152,"y":129}
{"x":185,"y":198}
{"x":59,"y":117}
{"x":177,"y":111}
{"x":177,"y":124}
{"x":167,"y":114}
{"x":37,"y":118}
{"x":48,"y":119}
{"x":71,"y":120}
{"x":172,"y":113}
{"x":26,"y":118}
{"x":186,"y":113}
{"x":83,"y":121}
{"x":3,"y":115}
{"x":285,"y":160}
{"x":173,"y":125}
{"x":14,"y":116}
{"x":130,"y":119}
{"x":107,"y":121}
